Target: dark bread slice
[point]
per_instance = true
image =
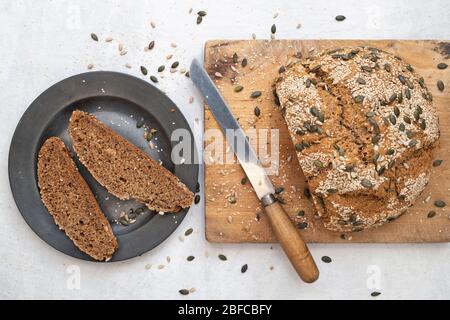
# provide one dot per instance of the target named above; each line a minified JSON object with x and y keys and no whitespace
{"x":71,"y":203}
{"x":123,"y":169}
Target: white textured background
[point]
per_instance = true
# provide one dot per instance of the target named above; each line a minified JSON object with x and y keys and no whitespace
{"x":45,"y":41}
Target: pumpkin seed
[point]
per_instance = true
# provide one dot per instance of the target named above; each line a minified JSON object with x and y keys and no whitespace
{"x":361,"y":81}
{"x":201,"y":13}
{"x":244,"y":268}
{"x":273,"y":29}
{"x":431,"y":214}
{"x":255,"y":94}
{"x":188,"y":232}
{"x":366,"y":183}
{"x":222,"y":257}
{"x":197,"y":199}
{"x":375,"y":294}
{"x":244,"y":62}
{"x":302,"y":225}
{"x":154,"y":79}
{"x":175,"y":65}
{"x":238,"y":88}
{"x":440,"y":85}
{"x":359,"y":99}
{"x":184,"y":292}
{"x":326,"y":259}
{"x":94,"y":37}
{"x":437,"y":163}
{"x":439,"y":203}
{"x":257,"y":111}
{"x":339,"y":17}
{"x":442,"y":66}
{"x":151,"y":45}
{"x":144,"y":70}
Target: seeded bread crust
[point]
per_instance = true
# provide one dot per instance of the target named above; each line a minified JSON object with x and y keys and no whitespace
{"x":364,"y":126}
{"x":123,"y":169}
{"x":71,"y":203}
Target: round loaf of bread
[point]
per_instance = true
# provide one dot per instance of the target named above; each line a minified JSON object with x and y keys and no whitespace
{"x":363,"y":125}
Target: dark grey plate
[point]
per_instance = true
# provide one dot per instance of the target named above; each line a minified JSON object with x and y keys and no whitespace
{"x":119,"y":100}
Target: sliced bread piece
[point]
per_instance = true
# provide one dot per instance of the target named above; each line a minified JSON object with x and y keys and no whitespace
{"x":123,"y":169}
{"x":71,"y":203}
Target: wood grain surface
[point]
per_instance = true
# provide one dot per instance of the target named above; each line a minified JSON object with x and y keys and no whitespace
{"x":243,"y":220}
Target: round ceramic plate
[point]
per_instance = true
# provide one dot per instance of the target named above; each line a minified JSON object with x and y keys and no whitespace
{"x":119,"y":101}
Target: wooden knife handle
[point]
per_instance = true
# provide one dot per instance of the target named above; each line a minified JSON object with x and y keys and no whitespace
{"x":292,"y":243}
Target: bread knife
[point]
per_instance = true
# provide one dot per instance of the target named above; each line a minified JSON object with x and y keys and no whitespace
{"x":283,"y":228}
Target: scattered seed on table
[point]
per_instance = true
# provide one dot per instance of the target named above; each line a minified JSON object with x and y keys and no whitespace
{"x":222,"y":257}
{"x":140,"y":123}
{"x":151,"y":45}
{"x":439,"y":203}
{"x":279,"y":190}
{"x":197,"y":199}
{"x":375,"y":294}
{"x":90,"y":66}
{"x":199,"y":19}
{"x":301,"y":213}
{"x":190,"y":258}
{"x":442,"y":66}
{"x":201,"y":13}
{"x":244,"y":180}
{"x":197,"y":187}
{"x":340,"y":18}
{"x":431,"y":214}
{"x":255,"y":94}
{"x":238,"y":88}
{"x":175,"y":65}
{"x":153,"y":25}
{"x":184,"y":292}
{"x":257,"y":111}
{"x":273,"y":29}
{"x":154,"y":79}
{"x":144,"y":70}
{"x":161,"y":68}
{"x":244,"y":268}
{"x":94,"y":37}
{"x":440,"y":85}
{"x":326,"y":259}
{"x":187,"y":75}
{"x":437,"y":163}
{"x":188,"y":232}
{"x":244,"y":62}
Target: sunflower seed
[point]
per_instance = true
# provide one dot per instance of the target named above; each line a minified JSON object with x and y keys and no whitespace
{"x":366,"y":68}
{"x":244,"y":268}
{"x":440,"y":85}
{"x":407,"y":93}
{"x":402,"y":79}
{"x":201,"y":13}
{"x":412,"y":143}
{"x":423,"y":124}
{"x":339,"y":18}
{"x":282,"y":69}
{"x":387,"y":67}
{"x":190,"y":258}
{"x":244,"y":180}
{"x":188,"y":232}
{"x":273,"y":29}
{"x":238,"y":88}
{"x":361,"y":81}
{"x":359,"y":99}
{"x":175,"y":65}
{"x":199,"y":19}
{"x":326,"y":259}
{"x":401,"y":127}
{"x":318,"y":163}
{"x":407,"y":119}
{"x":222,"y":257}
{"x":437,"y":163}
{"x":153,"y":24}
{"x":151,"y":45}
{"x":161,"y":68}
{"x":302,"y":225}
{"x":94,"y":37}
{"x":390,"y":152}
{"x":422,"y":82}
{"x":255,"y":94}
{"x":144,"y":70}
{"x":244,"y":62}
{"x":184,"y":292}
{"x":308,"y":83}
{"x":376,"y":138}
{"x":431,"y":214}
{"x":439,"y":203}
{"x":392,"y":119}
{"x":257,"y":111}
{"x":375,"y":294}
{"x":442,"y":66}
{"x":197,"y":199}
{"x":301,"y":213}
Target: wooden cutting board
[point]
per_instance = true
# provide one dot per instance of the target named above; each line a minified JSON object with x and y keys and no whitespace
{"x":244,"y":220}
